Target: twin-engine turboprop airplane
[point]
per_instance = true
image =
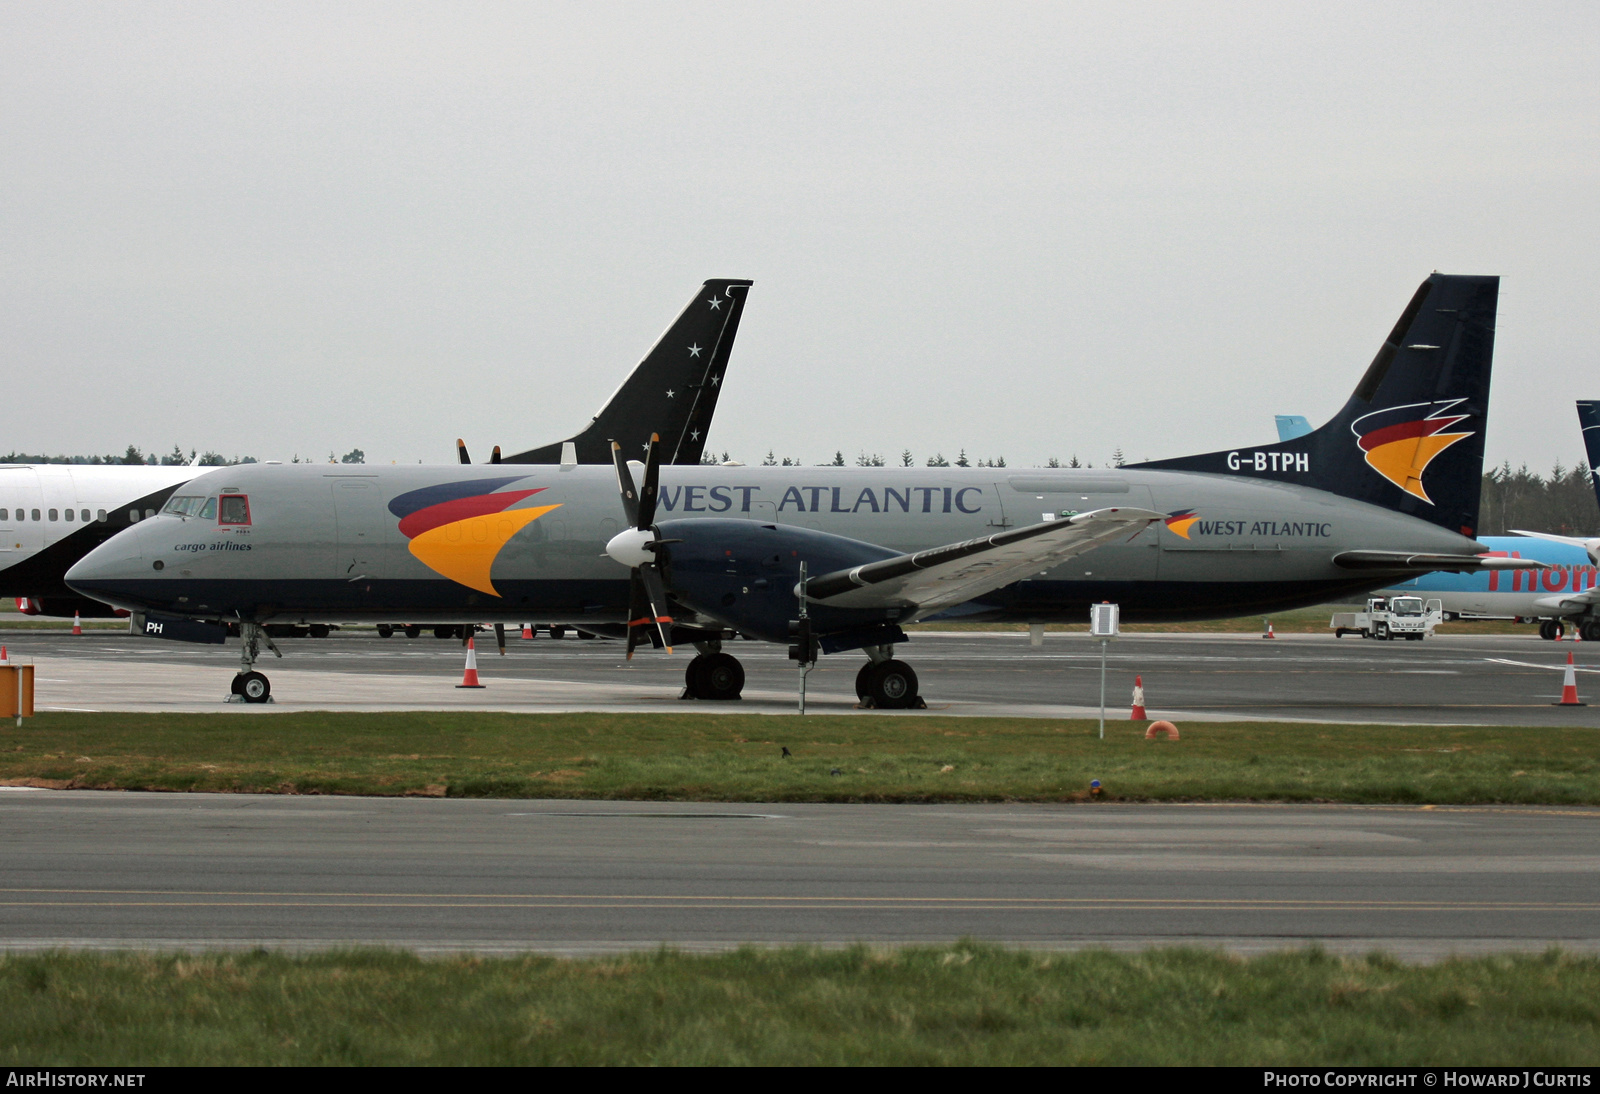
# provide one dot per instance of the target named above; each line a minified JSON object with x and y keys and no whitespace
{"x":51,"y":515}
{"x":1386,"y":490}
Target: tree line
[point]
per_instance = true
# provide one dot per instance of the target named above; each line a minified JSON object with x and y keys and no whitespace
{"x":176,"y":458}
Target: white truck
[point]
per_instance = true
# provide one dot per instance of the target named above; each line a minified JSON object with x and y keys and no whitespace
{"x":1390,"y":617}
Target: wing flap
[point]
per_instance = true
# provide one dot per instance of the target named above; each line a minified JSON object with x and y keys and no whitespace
{"x":1428,"y":562}
{"x":941,"y":577}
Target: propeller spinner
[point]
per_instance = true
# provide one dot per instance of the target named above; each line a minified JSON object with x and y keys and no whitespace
{"x":636,"y":547}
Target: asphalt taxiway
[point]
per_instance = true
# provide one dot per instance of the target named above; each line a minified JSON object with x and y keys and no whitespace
{"x":109,"y":870}
{"x":1478,"y":680}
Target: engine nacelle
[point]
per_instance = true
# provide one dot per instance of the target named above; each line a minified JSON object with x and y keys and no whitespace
{"x":743,"y":574}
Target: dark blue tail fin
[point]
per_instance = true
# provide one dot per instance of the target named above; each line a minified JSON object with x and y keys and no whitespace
{"x":672,"y":392}
{"x":1589,"y":422}
{"x":1411,"y":437}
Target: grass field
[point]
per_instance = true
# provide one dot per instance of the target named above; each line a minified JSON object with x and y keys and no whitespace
{"x":737,"y":757}
{"x":960,"y":1004}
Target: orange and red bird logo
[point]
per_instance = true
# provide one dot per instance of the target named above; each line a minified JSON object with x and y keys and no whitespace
{"x":457,"y":529}
{"x":1178,"y":523}
{"x":1401,"y":441}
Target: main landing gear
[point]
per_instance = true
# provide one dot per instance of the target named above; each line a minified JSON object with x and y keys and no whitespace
{"x":887,"y":684}
{"x":250,"y":686}
{"x":713,"y":674}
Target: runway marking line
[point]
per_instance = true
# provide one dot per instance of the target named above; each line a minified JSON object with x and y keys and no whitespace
{"x":632,"y":900}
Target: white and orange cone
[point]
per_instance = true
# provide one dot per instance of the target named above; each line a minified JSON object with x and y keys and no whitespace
{"x":1268,"y":632}
{"x":469,"y":679}
{"x":1569,"y":687}
{"x":77,"y":624}
{"x":527,"y":631}
{"x":1138,"y":714}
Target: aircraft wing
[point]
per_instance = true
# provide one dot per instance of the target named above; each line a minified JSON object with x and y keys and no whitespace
{"x":1427,"y":563}
{"x":941,"y":577}
{"x":1569,"y":602}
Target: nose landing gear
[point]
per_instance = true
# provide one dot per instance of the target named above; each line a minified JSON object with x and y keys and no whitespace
{"x":250,"y":686}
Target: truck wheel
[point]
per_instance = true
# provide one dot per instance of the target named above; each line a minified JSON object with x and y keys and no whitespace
{"x":385,"y":630}
{"x":1381,"y":632}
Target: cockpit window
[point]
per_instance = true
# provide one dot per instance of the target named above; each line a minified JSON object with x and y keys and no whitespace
{"x":235,"y":509}
{"x":184,"y":506}
{"x":208,"y":511}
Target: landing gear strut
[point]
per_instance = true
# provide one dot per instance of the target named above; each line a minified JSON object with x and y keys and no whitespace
{"x":250,"y":686}
{"x":713,"y":674}
{"x":887,"y":684}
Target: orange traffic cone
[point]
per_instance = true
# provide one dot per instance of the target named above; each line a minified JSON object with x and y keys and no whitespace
{"x":1268,"y":632}
{"x":1138,"y":714}
{"x":527,"y":631}
{"x":1569,"y":688}
{"x":469,"y":679}
{"x":77,"y":624}
{"x":2,"y":653}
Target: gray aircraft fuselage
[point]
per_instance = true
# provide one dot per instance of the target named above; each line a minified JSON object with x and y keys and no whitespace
{"x":443,"y":544}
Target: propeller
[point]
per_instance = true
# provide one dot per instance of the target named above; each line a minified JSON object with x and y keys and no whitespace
{"x":636,"y":547}
{"x":461,"y":451}
{"x":494,"y":457}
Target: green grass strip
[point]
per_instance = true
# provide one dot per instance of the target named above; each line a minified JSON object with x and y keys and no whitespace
{"x":960,"y":1004}
{"x":738,"y":757}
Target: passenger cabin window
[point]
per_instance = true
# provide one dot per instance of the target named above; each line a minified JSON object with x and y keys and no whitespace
{"x":148,"y":513}
{"x":54,"y":515}
{"x":68,"y":514}
{"x":235,"y":509}
{"x":100,"y":515}
{"x":133,"y":516}
{"x":36,"y":514}
{"x":5,"y":514}
{"x":84,"y":515}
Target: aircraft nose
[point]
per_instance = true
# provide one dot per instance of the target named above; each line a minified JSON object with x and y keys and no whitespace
{"x":114,"y":571}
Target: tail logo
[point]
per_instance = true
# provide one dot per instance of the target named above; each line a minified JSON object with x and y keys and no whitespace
{"x":1178,"y":523}
{"x":1400,"y":441}
{"x":458,"y":529}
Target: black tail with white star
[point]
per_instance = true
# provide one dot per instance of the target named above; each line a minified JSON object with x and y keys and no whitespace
{"x":672,"y":392}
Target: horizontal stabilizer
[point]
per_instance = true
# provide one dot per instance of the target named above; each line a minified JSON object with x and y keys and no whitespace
{"x":1590,"y":546}
{"x":941,"y":577}
{"x":1427,"y":563}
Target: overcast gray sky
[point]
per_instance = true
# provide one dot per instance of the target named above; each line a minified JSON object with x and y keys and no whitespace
{"x":1027,"y":230}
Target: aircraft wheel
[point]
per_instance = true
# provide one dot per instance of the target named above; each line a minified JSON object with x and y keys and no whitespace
{"x":1591,"y":631}
{"x":892,"y":685}
{"x":236,"y":687}
{"x":446,"y":632}
{"x":558,"y":631}
{"x":385,"y":630}
{"x":254,"y":687}
{"x":863,"y":687}
{"x":319,"y":630}
{"x":720,"y":677}
{"x":1550,"y":630}
{"x":413,"y":632}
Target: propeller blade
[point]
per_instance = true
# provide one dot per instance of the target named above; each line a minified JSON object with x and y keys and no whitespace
{"x":500,"y":637}
{"x":656,"y":590}
{"x":639,"y":629}
{"x":630,"y":499}
{"x":461,"y":451}
{"x":494,"y":457}
{"x":652,"y":480}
